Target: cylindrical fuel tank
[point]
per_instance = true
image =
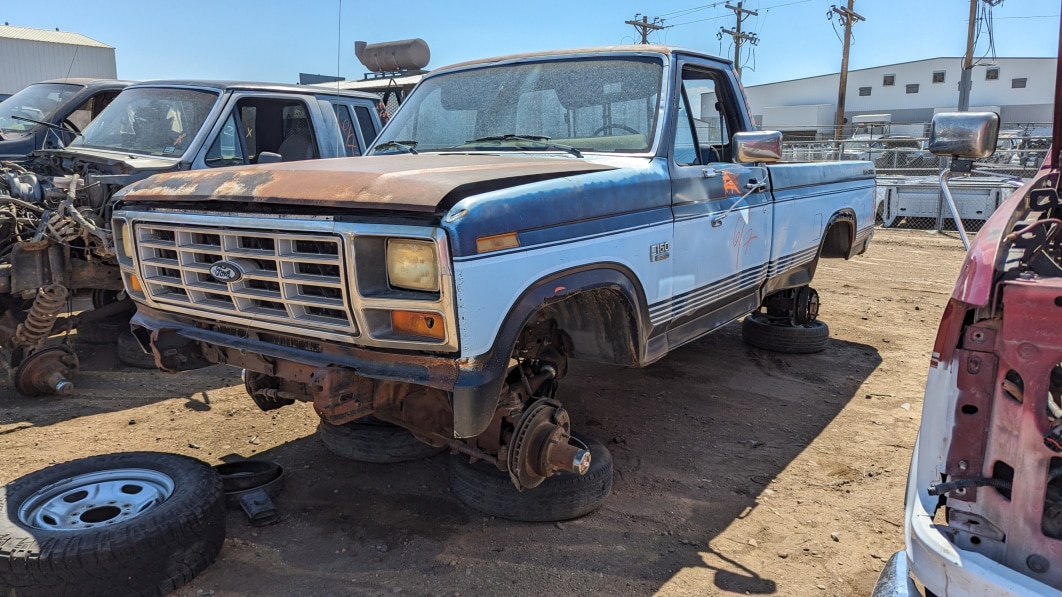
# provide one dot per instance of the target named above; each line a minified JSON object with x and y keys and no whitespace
{"x":408,"y":54}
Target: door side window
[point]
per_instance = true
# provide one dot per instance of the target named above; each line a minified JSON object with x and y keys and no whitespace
{"x":368,"y":127}
{"x":346,"y":130}
{"x":685,"y":150}
{"x":259,"y":124}
{"x":227,"y":149}
{"x":702,"y":111}
{"x":83,"y":114}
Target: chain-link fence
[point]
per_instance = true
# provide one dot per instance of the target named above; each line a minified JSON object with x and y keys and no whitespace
{"x":908,"y":193}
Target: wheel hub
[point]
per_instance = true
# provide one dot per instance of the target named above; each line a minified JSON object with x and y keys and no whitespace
{"x":539,"y":447}
{"x":47,"y":371}
{"x":95,"y":499}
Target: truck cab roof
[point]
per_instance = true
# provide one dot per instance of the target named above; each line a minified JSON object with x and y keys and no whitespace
{"x":224,"y":86}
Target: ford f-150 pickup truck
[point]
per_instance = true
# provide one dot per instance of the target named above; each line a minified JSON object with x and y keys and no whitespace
{"x":609,"y":204}
{"x":55,"y":206}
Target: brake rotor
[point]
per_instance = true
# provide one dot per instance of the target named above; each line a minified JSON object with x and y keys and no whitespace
{"x":47,"y":371}
{"x":543,"y":425}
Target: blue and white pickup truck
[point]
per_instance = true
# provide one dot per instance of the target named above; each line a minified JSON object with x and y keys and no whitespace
{"x":608,"y":204}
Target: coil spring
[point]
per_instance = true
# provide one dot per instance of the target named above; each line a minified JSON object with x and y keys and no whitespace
{"x":40,"y":319}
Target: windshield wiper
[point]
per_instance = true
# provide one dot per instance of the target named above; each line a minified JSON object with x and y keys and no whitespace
{"x":542,"y":140}
{"x":55,"y":127}
{"x":408,"y":146}
{"x":41,"y":122}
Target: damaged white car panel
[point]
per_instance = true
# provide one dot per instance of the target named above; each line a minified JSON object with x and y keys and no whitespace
{"x":984,"y":496}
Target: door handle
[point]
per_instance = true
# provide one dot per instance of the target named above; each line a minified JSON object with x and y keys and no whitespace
{"x":754,"y":185}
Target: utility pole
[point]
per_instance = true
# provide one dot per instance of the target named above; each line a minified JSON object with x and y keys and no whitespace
{"x":967,"y":63}
{"x":644,"y":26}
{"x":847,"y":16}
{"x":741,"y":14}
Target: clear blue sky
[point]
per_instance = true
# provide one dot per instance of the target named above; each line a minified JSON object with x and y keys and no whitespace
{"x":274,"y":40}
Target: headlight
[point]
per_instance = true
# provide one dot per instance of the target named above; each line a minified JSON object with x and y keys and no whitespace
{"x":411,"y":264}
{"x":123,"y":239}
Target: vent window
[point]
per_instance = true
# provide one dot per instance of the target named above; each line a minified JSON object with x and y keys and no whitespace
{"x":888,"y":80}
{"x":992,"y":74}
{"x":912,"y":88}
{"x":1018,"y":83}
{"x":938,"y":76}
{"x":864,"y":91}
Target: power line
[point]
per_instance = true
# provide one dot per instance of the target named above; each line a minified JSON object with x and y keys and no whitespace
{"x":1032,"y":17}
{"x":687,"y":11}
{"x":725,"y":16}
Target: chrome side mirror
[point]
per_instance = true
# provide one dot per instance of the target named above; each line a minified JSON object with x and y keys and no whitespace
{"x":757,"y":146}
{"x":969,"y":135}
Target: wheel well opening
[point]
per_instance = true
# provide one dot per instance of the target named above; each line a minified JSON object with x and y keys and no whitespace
{"x":837,"y":243}
{"x":601,"y":324}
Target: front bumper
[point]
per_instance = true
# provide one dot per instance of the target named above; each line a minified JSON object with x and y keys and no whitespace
{"x":948,"y":571}
{"x":181,"y":342}
{"x":265,"y":353}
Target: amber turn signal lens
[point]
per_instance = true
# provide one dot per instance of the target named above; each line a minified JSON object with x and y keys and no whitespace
{"x":498,"y":242}
{"x":134,"y":284}
{"x":416,"y":323}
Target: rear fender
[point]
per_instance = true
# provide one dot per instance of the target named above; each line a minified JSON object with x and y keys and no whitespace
{"x":839,"y":240}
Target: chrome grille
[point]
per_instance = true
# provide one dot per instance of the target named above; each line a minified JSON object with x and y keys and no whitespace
{"x":288,"y":278}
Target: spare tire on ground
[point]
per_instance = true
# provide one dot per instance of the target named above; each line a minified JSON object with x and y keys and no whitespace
{"x":560,"y":497}
{"x":758,"y":331}
{"x":137,"y":523}
{"x":369,"y":439}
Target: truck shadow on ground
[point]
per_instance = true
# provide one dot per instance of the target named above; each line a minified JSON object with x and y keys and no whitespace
{"x":100,"y":373}
{"x":696,"y":439}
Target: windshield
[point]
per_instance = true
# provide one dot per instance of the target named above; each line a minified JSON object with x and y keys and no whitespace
{"x":592,"y":104}
{"x":154,"y":121}
{"x":36,"y":102}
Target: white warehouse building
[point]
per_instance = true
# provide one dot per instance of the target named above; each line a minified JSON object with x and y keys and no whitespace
{"x":1020,"y":89}
{"x":32,"y":55}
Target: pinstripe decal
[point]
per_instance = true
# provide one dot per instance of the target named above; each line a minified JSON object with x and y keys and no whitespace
{"x":690,"y":301}
{"x":792,"y":260}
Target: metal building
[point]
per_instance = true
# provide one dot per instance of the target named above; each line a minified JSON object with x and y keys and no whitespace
{"x":32,"y":55}
{"x":1020,"y":89}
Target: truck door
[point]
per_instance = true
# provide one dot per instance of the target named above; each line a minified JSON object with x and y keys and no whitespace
{"x":722,"y":209}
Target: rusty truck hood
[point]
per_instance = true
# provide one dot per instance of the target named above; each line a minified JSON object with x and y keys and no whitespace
{"x":407,"y":182}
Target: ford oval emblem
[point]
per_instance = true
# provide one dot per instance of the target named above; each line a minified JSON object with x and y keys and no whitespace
{"x":226,"y":272}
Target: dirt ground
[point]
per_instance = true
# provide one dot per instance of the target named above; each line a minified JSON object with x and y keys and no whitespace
{"x":738,"y":471}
